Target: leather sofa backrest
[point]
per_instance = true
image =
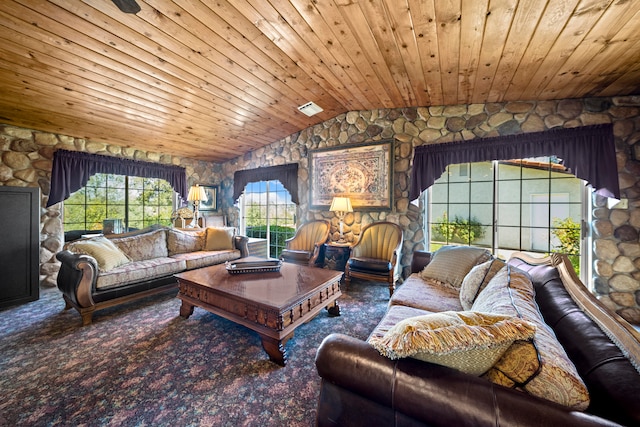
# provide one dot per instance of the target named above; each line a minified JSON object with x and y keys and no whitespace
{"x":612,"y":380}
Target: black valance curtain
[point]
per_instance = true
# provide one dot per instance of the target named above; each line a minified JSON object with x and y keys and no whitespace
{"x":72,"y":169}
{"x":286,"y":174}
{"x":589,"y":152}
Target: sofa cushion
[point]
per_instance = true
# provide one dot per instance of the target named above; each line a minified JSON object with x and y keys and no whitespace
{"x":144,"y":246}
{"x":540,"y":367}
{"x":370,"y":264}
{"x":139,"y":271}
{"x":206,"y":258}
{"x":468,"y":341}
{"x":219,"y":238}
{"x":416,"y":292}
{"x":477,"y":279}
{"x":394,"y":315}
{"x":104,"y":251}
{"x":179,"y":241}
{"x":450,"y":264}
{"x":293,"y":255}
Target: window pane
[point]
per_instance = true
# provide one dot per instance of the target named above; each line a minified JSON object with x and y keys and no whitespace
{"x":508,"y":214}
{"x":482,"y":172}
{"x":537,"y":208}
{"x":439,"y":193}
{"x":509,"y":191}
{"x":509,"y":170}
{"x":459,"y":193}
{"x":482,"y":192}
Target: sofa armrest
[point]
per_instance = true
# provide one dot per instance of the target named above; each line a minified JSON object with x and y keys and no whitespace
{"x":77,"y":278}
{"x":431,"y":394}
{"x":419,"y":260}
{"x":241,"y":243}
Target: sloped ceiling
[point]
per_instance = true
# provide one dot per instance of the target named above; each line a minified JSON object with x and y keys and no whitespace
{"x":211,"y":80}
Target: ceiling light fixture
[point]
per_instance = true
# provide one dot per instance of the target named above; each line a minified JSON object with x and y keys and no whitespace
{"x":310,"y":109}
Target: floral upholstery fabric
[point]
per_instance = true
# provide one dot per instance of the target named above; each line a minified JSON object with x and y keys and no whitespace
{"x":138,"y":271}
{"x":477,"y":279}
{"x":549,"y":372}
{"x":394,"y":315}
{"x":144,"y":246}
{"x":179,"y":242}
{"x":415,"y":292}
{"x":206,"y":258}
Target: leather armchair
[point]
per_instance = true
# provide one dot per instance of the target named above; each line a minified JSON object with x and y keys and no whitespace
{"x":375,"y":255}
{"x":304,"y":247}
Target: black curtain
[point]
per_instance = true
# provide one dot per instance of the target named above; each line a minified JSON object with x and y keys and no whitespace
{"x":72,"y":169}
{"x":589,"y":152}
{"x":286,"y":174}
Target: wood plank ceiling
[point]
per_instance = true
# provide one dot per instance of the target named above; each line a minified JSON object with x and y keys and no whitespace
{"x":211,"y":80}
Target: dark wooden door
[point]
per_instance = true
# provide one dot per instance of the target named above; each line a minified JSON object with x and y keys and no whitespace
{"x":19,"y":244}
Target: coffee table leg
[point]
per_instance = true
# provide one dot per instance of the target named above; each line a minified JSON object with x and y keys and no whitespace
{"x":186,"y":309}
{"x":334,"y":308}
{"x":275,"y":349}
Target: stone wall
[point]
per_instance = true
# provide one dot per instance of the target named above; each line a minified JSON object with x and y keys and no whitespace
{"x":26,"y":158}
{"x":615,"y":231}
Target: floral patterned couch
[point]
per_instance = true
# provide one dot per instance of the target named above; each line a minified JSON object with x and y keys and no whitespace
{"x":103,"y":271}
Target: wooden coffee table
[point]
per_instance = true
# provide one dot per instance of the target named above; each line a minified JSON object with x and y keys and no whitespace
{"x":273,"y":304}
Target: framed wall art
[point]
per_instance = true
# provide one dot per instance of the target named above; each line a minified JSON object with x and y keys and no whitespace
{"x":211,"y":204}
{"x":362,"y":172}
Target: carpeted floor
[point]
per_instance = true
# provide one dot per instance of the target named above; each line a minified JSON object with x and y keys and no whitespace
{"x":141,"y":364}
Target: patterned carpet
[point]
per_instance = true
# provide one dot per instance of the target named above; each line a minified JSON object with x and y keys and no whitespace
{"x":141,"y":364}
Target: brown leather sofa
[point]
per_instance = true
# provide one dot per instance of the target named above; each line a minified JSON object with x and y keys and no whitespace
{"x":362,"y":388}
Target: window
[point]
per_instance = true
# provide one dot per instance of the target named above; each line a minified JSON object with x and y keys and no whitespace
{"x":267,"y":212}
{"x":532,"y":205}
{"x":136,"y":202}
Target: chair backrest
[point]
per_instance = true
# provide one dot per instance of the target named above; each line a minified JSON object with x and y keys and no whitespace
{"x":309,"y":234}
{"x":378,"y":240}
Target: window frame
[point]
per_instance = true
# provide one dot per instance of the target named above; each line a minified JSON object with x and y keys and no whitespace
{"x":275,"y":240}
{"x":586,"y":200}
{"x":114,"y":183}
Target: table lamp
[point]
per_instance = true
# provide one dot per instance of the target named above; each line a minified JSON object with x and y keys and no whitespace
{"x":341,"y":205}
{"x":196,"y":194}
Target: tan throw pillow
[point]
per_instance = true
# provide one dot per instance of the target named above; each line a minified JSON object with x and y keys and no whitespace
{"x":540,"y":367}
{"x":180,"y":242}
{"x":450,"y":264}
{"x":219,"y":238}
{"x":104,"y":251}
{"x":468,"y":341}
{"x":476,"y":280}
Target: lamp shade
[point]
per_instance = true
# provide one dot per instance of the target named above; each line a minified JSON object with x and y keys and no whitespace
{"x":341,"y":204}
{"x":196,"y":193}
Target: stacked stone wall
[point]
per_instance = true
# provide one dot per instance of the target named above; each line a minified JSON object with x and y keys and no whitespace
{"x":615,"y":231}
{"x":26,"y":158}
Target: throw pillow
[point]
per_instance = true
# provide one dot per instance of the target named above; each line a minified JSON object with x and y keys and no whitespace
{"x":104,"y":251}
{"x":468,"y":341}
{"x":540,"y":367}
{"x":477,"y":279}
{"x":180,"y":242}
{"x":219,"y":238}
{"x":450,"y":264}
